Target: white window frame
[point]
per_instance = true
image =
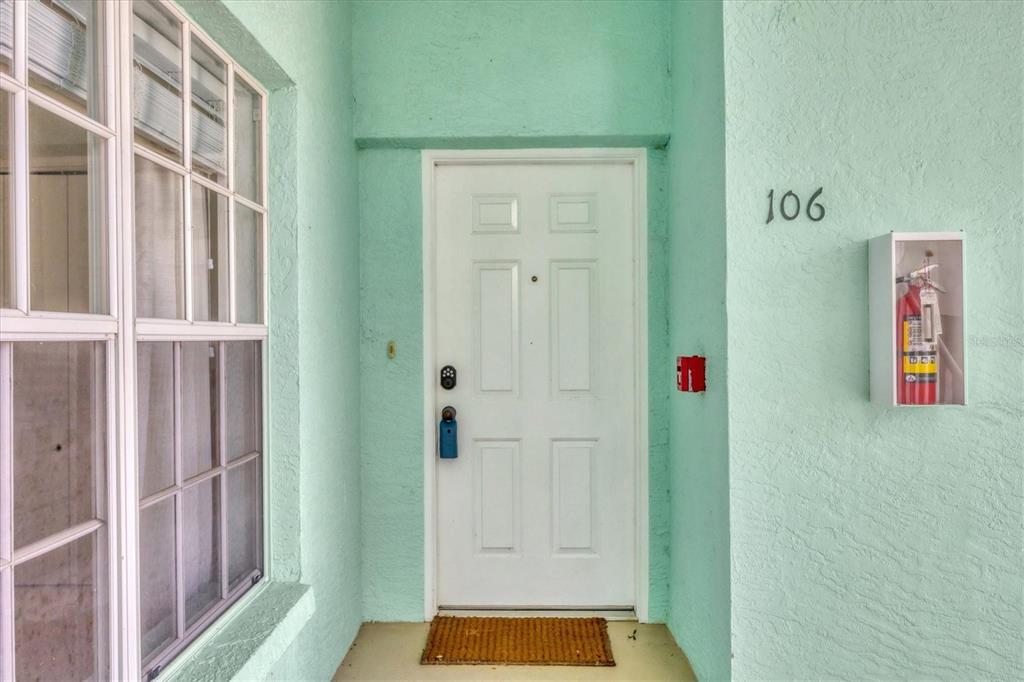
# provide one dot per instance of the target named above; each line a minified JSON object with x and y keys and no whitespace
{"x":118,"y":328}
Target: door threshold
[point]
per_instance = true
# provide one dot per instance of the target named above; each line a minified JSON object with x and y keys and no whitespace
{"x":513,"y":612}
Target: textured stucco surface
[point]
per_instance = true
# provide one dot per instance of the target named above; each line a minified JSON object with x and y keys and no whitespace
{"x":452,"y":70}
{"x":483,"y":92}
{"x":304,"y":55}
{"x":284,"y":398}
{"x":660,"y":383}
{"x":699,"y":460}
{"x":820,"y":535}
{"x":391,"y":308}
{"x":872,"y":542}
{"x":254,"y":639}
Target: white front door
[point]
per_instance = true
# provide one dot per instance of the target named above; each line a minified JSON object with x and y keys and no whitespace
{"x":534,"y":277}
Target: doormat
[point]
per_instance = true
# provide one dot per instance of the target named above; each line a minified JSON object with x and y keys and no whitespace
{"x":518,"y":641}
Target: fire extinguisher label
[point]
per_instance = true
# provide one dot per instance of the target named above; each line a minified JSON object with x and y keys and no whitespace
{"x":919,"y":354}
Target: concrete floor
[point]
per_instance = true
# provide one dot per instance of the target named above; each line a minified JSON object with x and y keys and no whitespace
{"x":391,"y":651}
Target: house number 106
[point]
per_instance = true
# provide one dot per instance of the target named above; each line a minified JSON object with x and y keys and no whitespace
{"x":789,"y":206}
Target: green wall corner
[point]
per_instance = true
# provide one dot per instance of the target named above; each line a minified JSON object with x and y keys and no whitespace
{"x":699,"y":472}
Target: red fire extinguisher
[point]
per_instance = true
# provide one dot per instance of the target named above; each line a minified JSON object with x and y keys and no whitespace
{"x":918,"y":325}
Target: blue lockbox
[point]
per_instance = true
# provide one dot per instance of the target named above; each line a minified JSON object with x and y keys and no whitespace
{"x":448,"y":434}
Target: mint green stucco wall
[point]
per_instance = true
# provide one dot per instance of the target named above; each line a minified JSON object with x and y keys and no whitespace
{"x":452,"y":70}
{"x":699,"y":452}
{"x":303,"y":54}
{"x":797,"y":531}
{"x":391,"y":308}
{"x":456,"y":75}
{"x":872,"y":542}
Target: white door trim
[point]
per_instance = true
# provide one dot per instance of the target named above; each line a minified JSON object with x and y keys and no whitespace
{"x":431,"y":159}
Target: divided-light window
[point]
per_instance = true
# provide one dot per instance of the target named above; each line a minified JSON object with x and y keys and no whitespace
{"x":133,"y":232}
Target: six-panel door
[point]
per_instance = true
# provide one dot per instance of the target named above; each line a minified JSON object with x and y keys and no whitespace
{"x":534,"y":286}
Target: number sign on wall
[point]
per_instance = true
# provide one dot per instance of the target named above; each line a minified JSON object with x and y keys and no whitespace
{"x":789,"y":206}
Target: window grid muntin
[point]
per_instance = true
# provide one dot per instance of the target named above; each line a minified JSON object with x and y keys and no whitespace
{"x":103,"y":394}
{"x":6,"y":459}
{"x":98,"y":32}
{"x":101,"y":537}
{"x":178,"y":331}
{"x":218,"y":472}
{"x":100,"y":271}
{"x":24,"y":97}
{"x":204,"y":43}
{"x":117,"y":328}
{"x":260,"y":188}
{"x":186,"y":169}
{"x":64,"y":111}
{"x":226,"y":260}
{"x":167,"y":76}
{"x":17,"y":83}
{"x":21,"y":323}
{"x":13,"y":557}
{"x":161,"y":495}
{"x":6,"y":513}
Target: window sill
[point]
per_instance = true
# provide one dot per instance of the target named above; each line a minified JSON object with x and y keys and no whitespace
{"x":250,"y":638}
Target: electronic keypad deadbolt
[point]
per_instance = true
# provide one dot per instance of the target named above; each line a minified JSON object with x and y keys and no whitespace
{"x":448,"y":377}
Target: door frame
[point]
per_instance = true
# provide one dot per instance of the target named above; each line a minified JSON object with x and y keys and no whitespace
{"x":431,"y":160}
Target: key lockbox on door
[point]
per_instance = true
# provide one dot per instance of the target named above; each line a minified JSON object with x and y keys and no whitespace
{"x":448,"y":434}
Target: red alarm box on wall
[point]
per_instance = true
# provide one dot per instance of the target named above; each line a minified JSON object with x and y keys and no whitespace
{"x":690,"y":373}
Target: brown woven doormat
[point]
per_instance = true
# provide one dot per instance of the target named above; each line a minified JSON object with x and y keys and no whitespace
{"x":518,"y":641}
